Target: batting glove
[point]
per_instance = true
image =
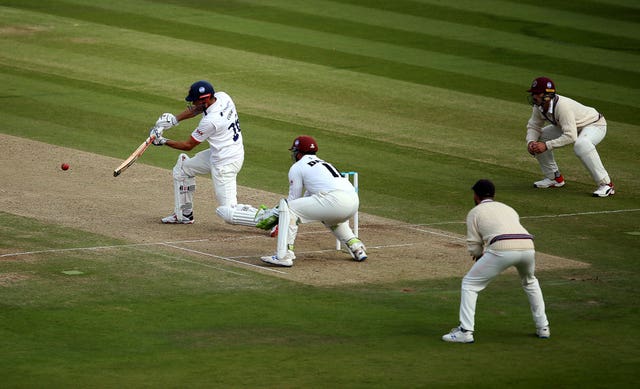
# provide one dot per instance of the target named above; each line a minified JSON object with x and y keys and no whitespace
{"x":156,"y":131}
{"x":166,"y":121}
{"x":158,"y":140}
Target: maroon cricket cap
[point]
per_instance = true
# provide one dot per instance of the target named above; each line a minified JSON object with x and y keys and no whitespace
{"x":542,"y":85}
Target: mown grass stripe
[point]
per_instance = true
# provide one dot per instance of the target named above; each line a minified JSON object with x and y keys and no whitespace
{"x":449,"y":30}
{"x":353,"y":62}
{"x":592,"y":8}
{"x":509,"y":20}
{"x":537,"y":62}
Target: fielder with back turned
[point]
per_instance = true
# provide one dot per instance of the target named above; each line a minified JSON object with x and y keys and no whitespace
{"x":496,"y":240}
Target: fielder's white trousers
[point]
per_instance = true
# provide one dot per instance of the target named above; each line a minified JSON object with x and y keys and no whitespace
{"x":224,"y":177}
{"x":584,"y":148}
{"x":492,"y":263}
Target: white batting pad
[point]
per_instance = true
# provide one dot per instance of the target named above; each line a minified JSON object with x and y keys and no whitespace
{"x":183,"y":188}
{"x":240,"y":214}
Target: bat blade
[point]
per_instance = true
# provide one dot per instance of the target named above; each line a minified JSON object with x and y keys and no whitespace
{"x":134,"y":156}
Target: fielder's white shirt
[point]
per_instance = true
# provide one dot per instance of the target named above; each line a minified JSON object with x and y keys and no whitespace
{"x":221,"y":128}
{"x":490,"y":219}
{"x":565,"y":113}
{"x":315,"y":175}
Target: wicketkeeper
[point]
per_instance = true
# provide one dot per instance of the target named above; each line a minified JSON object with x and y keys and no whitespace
{"x":317,"y":193}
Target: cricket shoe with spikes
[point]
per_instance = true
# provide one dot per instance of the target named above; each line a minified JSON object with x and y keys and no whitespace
{"x":287,"y":261}
{"x":458,"y":335}
{"x":605,"y":190}
{"x":543,"y":333}
{"x":357,"y":249}
{"x":557,"y":182}
{"x":173,"y":219}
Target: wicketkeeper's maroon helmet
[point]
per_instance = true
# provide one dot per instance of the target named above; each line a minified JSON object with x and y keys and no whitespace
{"x":302,"y":145}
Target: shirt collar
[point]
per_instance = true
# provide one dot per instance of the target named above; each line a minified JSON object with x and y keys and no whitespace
{"x":551,"y":106}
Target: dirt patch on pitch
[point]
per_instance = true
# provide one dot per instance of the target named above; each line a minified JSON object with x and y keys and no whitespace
{"x":129,"y":207}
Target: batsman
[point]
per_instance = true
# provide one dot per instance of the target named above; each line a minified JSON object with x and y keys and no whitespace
{"x":317,"y":193}
{"x":223,"y":159}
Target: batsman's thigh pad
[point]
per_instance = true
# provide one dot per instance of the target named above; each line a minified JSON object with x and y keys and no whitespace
{"x":198,"y":164}
{"x":224,"y":179}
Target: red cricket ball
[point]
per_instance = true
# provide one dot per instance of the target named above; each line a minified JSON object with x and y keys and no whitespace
{"x":64,"y":166}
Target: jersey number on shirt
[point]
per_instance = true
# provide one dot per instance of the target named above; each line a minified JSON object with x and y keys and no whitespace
{"x":235,"y":127}
{"x":330,"y":168}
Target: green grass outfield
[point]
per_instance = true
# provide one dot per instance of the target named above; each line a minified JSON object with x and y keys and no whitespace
{"x":420,"y":97}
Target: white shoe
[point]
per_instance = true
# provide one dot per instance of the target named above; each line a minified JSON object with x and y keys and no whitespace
{"x":458,"y":336}
{"x":287,"y":261}
{"x":549,"y":183}
{"x":543,"y":333}
{"x":605,"y":190}
{"x":357,"y":249}
{"x":173,"y":219}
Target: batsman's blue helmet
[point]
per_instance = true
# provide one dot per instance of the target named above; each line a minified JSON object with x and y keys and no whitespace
{"x":199,"y":90}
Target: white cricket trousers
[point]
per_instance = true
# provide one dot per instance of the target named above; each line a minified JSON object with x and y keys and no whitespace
{"x":584,"y":148}
{"x":492,"y":263}
{"x":330,"y":208}
{"x":333,"y":209}
{"x":224,"y":177}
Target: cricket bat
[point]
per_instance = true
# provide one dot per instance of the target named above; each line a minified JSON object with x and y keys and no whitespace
{"x":134,"y":156}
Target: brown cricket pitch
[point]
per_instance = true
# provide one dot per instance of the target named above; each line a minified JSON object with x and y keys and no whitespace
{"x":93,"y":200}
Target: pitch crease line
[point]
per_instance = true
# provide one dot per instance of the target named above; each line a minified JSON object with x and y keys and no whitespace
{"x":223,"y":258}
{"x":97,"y":247}
{"x":545,"y":216}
